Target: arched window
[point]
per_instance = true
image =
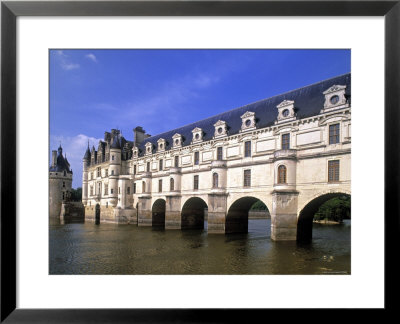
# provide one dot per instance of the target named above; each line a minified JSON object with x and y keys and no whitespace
{"x":215,"y":180}
{"x":281,"y":174}
{"x":171,"y":184}
{"x":143,"y":186}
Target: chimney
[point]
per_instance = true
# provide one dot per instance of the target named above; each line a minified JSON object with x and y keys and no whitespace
{"x":53,"y":158}
{"x":138,"y":135}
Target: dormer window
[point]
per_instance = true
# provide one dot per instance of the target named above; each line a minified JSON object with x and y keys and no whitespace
{"x":197,"y":135}
{"x":135,"y":152}
{"x":149,"y":148}
{"x":286,"y":111}
{"x":177,"y":140}
{"x":335,"y":98}
{"x":161,"y":145}
{"x":221,"y":129}
{"x":248,"y":121}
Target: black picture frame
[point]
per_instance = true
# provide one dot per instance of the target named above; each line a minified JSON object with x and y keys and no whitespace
{"x":10,"y":10}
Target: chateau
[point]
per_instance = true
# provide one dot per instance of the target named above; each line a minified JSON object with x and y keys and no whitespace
{"x":60,"y":182}
{"x":291,"y":151}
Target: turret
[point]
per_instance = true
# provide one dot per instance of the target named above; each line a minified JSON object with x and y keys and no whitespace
{"x":115,"y":166}
{"x":86,"y":162}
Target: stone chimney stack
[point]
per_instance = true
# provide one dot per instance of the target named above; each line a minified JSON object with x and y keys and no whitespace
{"x":53,"y":158}
{"x":139,"y":135}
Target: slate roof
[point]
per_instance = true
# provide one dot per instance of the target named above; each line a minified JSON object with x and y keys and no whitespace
{"x":308,"y":101}
{"x":62,"y":163}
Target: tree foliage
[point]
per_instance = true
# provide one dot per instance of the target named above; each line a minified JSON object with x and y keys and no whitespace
{"x":76,"y":194}
{"x":259,"y":205}
{"x":335,"y":209}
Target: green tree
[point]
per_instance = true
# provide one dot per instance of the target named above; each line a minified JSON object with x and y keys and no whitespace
{"x":76,"y":194}
{"x":335,"y":209}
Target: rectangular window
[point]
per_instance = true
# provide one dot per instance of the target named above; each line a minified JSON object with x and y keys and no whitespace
{"x":91,"y":190}
{"x":106,"y":172}
{"x":247,"y":149}
{"x":334,"y":131}
{"x":143,"y":186}
{"x":63,"y":184}
{"x":196,"y":182}
{"x":112,"y":191}
{"x":219,"y":153}
{"x":159,"y":185}
{"x":63,"y":195}
{"x":176,"y":161}
{"x":134,"y":188}
{"x":112,"y":157}
{"x":196,"y":158}
{"x":134,"y":169}
{"x":128,"y":190}
{"x":247,"y":178}
{"x":105,"y":189}
{"x":285,"y":141}
{"x":112,"y":172}
{"x":148,"y":166}
{"x":98,"y":172}
{"x":333,"y":171}
{"x":160,"y":165}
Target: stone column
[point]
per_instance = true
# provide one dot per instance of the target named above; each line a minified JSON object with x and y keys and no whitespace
{"x":144,"y":215}
{"x":217,"y":213}
{"x":284,"y":197}
{"x":284,"y":215}
{"x":173,"y":219}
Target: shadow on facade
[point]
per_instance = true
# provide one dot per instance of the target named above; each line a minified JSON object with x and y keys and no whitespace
{"x":158,"y":213}
{"x":193,"y":213}
{"x":97,"y":215}
{"x":306,"y":217}
{"x":237,"y":218}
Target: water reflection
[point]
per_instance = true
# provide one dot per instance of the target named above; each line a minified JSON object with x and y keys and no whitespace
{"x":121,"y":249}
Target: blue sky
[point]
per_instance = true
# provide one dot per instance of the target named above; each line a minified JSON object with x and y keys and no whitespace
{"x":92,"y":91}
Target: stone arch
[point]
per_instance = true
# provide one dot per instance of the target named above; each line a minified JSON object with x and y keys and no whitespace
{"x":237,"y":217}
{"x":193,"y":213}
{"x":158,"y":213}
{"x":307,"y":212}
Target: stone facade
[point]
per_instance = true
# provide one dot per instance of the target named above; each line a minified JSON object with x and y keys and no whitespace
{"x":288,"y":151}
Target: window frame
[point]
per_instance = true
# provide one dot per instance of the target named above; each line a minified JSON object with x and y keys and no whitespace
{"x":282,"y":174}
{"x":215,"y":180}
{"x":285,"y":144}
{"x":333,"y":171}
{"x":335,"y":137}
{"x":247,"y":149}
{"x":196,"y":182}
{"x":220,"y":153}
{"x":247,"y":178}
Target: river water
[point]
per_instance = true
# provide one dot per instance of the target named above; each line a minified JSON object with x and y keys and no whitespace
{"x":128,"y":249}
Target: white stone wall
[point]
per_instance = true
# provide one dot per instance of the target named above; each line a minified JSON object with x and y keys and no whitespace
{"x":307,"y":171}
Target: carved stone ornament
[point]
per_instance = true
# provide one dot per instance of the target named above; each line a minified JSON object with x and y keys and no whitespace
{"x":177,"y":140}
{"x":334,"y":88}
{"x":285,"y":111}
{"x":248,"y":121}
{"x":149,"y":148}
{"x":161,"y":144}
{"x":220,"y":128}
{"x":197,"y":135}
{"x":334,"y":97}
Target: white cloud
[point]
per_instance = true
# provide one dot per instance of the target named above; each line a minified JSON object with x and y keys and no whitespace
{"x":91,"y":57}
{"x":65,"y":62}
{"x":74,"y":148}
